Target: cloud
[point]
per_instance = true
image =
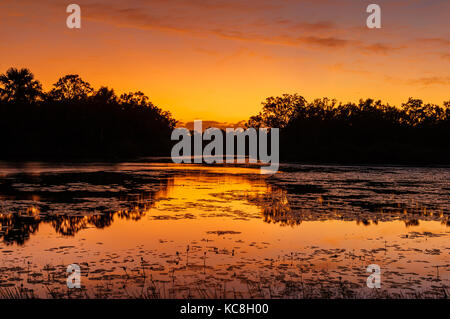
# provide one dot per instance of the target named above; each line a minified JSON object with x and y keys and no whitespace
{"x":264,"y":24}
{"x":239,"y":26}
{"x":254,"y":21}
{"x":434,"y":41}
{"x":379,"y":48}
{"x":285,"y":40}
{"x":161,"y":17}
{"x":329,"y":42}
{"x":311,"y":26}
{"x":432,"y":80}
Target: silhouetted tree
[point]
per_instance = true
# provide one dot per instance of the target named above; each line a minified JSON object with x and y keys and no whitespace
{"x":278,"y":111}
{"x":136,"y":99}
{"x":71,"y":88}
{"x":327,"y":131}
{"x":105,"y":95}
{"x":75,"y":122}
{"x":419,"y":113}
{"x":19,"y":86}
{"x":447,"y":110}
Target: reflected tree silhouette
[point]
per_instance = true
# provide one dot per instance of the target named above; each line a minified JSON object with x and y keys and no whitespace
{"x":17,"y":229}
{"x":61,"y":203}
{"x":18,"y":226}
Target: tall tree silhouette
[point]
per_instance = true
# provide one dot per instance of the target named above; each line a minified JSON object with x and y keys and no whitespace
{"x":71,"y":88}
{"x":19,"y":86}
{"x":105,"y":95}
{"x":278,"y":111}
{"x":419,"y":113}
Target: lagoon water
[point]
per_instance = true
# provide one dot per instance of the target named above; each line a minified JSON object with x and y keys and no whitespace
{"x":161,"y":230}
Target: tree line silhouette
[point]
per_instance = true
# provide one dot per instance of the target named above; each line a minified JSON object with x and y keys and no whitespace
{"x":368,"y":132}
{"x":74,"y":121}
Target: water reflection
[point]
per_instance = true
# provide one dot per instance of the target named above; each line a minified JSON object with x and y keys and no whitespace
{"x":224,"y":232}
{"x":71,"y":200}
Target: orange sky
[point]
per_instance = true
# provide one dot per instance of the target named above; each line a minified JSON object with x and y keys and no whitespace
{"x":218,"y":59}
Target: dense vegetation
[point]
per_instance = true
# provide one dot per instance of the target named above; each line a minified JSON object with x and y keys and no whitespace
{"x":368,"y":132}
{"x":74,"y":121}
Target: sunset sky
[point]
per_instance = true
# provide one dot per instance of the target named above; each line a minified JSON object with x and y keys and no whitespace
{"x":219,"y":59}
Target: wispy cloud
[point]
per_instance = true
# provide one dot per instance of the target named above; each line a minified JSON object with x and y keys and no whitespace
{"x":380,"y":48}
{"x":431,"y":80}
{"x":435,"y":41}
{"x":253,"y":21}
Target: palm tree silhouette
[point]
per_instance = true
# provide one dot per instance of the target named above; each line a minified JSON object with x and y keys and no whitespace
{"x":19,"y":86}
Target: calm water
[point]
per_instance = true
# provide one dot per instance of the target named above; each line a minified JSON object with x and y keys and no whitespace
{"x":158,"y":230}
